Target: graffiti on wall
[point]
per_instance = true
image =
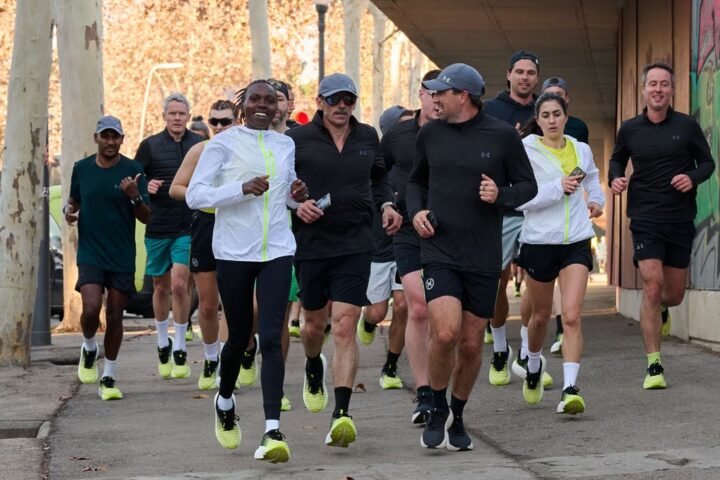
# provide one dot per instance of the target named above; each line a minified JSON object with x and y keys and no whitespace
{"x":705,"y":76}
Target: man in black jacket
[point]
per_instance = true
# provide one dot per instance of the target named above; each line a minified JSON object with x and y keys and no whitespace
{"x":468,"y":167}
{"x":671,"y":157}
{"x":339,"y":159}
{"x":167,"y":237}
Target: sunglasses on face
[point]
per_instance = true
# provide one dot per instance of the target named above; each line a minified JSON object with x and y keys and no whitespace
{"x":220,"y":121}
{"x":348,"y":98}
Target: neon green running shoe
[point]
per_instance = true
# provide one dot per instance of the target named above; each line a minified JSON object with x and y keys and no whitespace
{"x":655,"y":377}
{"x":273,"y":448}
{"x":165,"y":363}
{"x":315,"y":395}
{"x":294,"y":328}
{"x":666,"y":321}
{"x":571,"y":402}
{"x":365,"y":337}
{"x":389,"y":379}
{"x":557,"y":345}
{"x":180,"y":368}
{"x":488,"y":335}
{"x":227,"y":428}
{"x":248,"y":366}
{"x":189,"y":334}
{"x":547,"y":380}
{"x":107,"y":389}
{"x":342,"y":431}
{"x":533,"y":386}
{"x":87,"y":367}
{"x":499,"y":373}
{"x":208,"y":377}
{"x":285,"y":405}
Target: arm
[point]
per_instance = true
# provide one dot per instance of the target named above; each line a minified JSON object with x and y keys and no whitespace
{"x":619,"y":158}
{"x":136,"y":190}
{"x":548,"y":193}
{"x":202,"y":193}
{"x":523,"y":186}
{"x":416,"y":192}
{"x":379,"y":182}
{"x":185,"y":172}
{"x":700,"y":149}
{"x":72,"y":207}
{"x":591,"y":182}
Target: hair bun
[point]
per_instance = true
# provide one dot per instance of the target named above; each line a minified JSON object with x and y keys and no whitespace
{"x":197,"y":118}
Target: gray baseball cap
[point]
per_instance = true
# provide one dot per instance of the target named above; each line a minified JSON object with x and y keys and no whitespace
{"x":108,"y":122}
{"x":459,"y":76}
{"x":336,"y":83}
{"x":390,"y":117}
{"x":555,"y":82}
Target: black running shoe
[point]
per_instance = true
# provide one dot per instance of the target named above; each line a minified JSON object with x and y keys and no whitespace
{"x":422,"y":410}
{"x":435,"y":434}
{"x":164,"y":363}
{"x":458,"y":438}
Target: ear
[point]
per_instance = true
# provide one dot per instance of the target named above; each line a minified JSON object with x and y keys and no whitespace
{"x":318,"y":102}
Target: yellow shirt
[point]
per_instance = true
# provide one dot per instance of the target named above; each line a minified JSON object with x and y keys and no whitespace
{"x":565,"y":155}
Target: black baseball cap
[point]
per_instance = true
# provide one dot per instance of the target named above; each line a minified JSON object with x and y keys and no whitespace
{"x":524,"y":55}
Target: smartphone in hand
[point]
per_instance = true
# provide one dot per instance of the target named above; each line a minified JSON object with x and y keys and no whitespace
{"x":577,"y":172}
{"x":432,"y":219}
{"x":324,"y":202}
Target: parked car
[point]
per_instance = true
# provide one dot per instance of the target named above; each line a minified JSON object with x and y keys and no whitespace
{"x":139,"y":304}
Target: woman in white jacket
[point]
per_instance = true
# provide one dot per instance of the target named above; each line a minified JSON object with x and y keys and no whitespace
{"x":555,"y":242}
{"x":248,"y":174}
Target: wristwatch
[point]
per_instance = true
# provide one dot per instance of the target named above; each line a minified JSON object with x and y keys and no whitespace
{"x":137,"y":201}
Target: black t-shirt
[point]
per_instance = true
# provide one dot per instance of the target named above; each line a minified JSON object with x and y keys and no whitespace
{"x":577,"y":129}
{"x":451,"y":159}
{"x":660,"y":151}
{"x":356,"y":180}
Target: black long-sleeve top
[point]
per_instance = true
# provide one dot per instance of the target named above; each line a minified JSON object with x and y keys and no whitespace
{"x":660,"y":151}
{"x":450,"y":161}
{"x":356,"y":180}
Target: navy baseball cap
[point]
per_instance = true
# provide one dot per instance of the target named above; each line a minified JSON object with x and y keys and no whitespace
{"x":459,"y":76}
{"x":108,"y":122}
{"x":524,"y":55}
{"x":555,"y":82}
{"x":391,"y":116}
{"x":336,"y":83}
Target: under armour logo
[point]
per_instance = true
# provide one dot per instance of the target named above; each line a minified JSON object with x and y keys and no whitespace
{"x":484,"y":154}
{"x":363,"y":153}
{"x":639,"y":246}
{"x":429,"y":284}
{"x":446,"y":79}
{"x":676,"y":137}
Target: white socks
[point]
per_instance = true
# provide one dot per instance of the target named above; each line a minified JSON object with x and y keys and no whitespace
{"x":499,"y":339}
{"x":225,"y":403}
{"x":570,"y":373}
{"x":162,"y":333}
{"x":109,"y":368}
{"x":89,"y":344}
{"x":211,"y":351}
{"x":272,"y":425}
{"x":523,"y":341}
{"x":533,"y":362}
{"x":180,"y":329}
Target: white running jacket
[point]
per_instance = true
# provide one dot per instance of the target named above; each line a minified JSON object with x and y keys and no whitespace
{"x":247,"y":228}
{"x":553,"y":218}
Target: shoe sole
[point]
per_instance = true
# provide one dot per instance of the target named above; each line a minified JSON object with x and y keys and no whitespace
{"x":212,"y":383}
{"x":393,"y":386}
{"x":324,"y":388}
{"x":274,"y":454}
{"x":80,"y":368}
{"x":184,"y":374}
{"x":341,"y":435}
{"x":655,"y":385}
{"x":573,"y":406}
{"x":446,"y":440}
{"x":117,"y":396}
{"x":556,"y":348}
{"x":217,"y":436}
{"x":452,"y":448}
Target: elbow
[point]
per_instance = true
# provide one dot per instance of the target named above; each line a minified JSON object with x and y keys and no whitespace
{"x":177,"y":192}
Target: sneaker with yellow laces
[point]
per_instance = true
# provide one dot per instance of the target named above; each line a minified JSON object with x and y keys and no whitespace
{"x":87,"y":367}
{"x":342,"y":431}
{"x":107,"y":389}
{"x":294,"y":328}
{"x":499,"y":373}
{"x":227,"y":427}
{"x":273,"y":448}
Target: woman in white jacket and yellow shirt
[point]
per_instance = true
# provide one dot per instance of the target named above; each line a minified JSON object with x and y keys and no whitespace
{"x":248,"y":174}
{"x":555,"y":242}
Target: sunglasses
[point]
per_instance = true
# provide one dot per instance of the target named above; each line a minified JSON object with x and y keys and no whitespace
{"x":220,"y":121}
{"x":348,"y":98}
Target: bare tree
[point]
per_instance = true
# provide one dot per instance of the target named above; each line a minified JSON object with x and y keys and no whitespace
{"x":352,"y":11}
{"x":396,"y":53}
{"x":259,"y":38}
{"x":416,"y":72}
{"x":79,"y":40}
{"x":20,"y":187}
{"x":378,"y":98}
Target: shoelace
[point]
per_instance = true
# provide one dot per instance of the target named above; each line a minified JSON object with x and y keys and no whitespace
{"x":571,"y":390}
{"x":89,"y":358}
{"x":180,"y":357}
{"x":390,"y":371}
{"x":314,"y":383}
{"x":210,"y":368}
{"x":108,"y":382}
{"x":533,"y":379}
{"x":436,"y":421}
{"x":499,"y":360}
{"x":457,"y":425}
{"x":227,"y":419}
{"x":275,"y":435}
{"x":164,"y":354}
{"x":655,"y":369}
{"x":247,"y":360}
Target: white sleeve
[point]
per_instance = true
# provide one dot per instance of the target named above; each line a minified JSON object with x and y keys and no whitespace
{"x":202,"y":192}
{"x":591,"y":182}
{"x":548,"y":193}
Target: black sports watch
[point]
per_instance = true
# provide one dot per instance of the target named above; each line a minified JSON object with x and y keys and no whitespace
{"x":137,"y":201}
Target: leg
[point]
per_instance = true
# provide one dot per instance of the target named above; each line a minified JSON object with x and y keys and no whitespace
{"x":417,"y":331}
{"x":161,"y":297}
{"x":396,"y":336}
{"x":573,"y":284}
{"x":651,"y":272}
{"x":469,"y":355}
{"x":207,"y":289}
{"x":541,"y":295}
{"x":673,"y":285}
{"x":345,"y":360}
{"x":114,"y":308}
{"x":445,"y":327}
{"x":91,"y":295}
{"x":180,"y":278}
{"x":502,"y":306}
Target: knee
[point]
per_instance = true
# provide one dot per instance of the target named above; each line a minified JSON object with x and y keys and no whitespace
{"x":571,"y":319}
{"x":179,"y":288}
{"x":161,"y":289}
{"x":418,"y":314}
{"x":208,"y":310}
{"x":91,"y":309}
{"x":343,"y":330}
{"x":269,"y":342}
{"x":468,"y":348}
{"x":400,"y":304}
{"x":445,"y":337}
{"x":652,"y":290}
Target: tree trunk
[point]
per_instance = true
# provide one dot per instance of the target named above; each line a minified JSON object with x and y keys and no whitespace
{"x":260,"y":39}
{"x":21,"y":188}
{"x":79,"y":40}
{"x":416,"y":74}
{"x":396,"y":89}
{"x":352,"y":11}
{"x":378,"y":98}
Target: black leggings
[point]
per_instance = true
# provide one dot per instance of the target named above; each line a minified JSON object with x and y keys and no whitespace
{"x":236,"y":281}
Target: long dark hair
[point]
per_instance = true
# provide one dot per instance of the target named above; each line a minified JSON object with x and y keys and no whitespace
{"x":531,"y":126}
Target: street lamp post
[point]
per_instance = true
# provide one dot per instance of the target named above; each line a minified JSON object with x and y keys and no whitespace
{"x":322,"y":7}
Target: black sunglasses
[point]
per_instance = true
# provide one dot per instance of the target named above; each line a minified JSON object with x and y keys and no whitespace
{"x":348,"y":98}
{"x":222,"y":121}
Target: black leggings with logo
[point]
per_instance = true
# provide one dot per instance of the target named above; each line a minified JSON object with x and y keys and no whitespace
{"x":236,"y":282}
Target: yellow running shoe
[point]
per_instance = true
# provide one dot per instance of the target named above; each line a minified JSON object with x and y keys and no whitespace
{"x":107,"y":389}
{"x":165,"y":363}
{"x":342,"y":431}
{"x":389,"y":379}
{"x":655,"y":377}
{"x":208,"y":377}
{"x":227,"y":428}
{"x":365,"y":337}
{"x":294,"y":328}
{"x":315,"y":395}
{"x":87,"y":367}
{"x":533,"y":386}
{"x":180,"y":368}
{"x":547,"y":380}
{"x":488,"y":335}
{"x":273,"y":448}
{"x":557,"y":346}
{"x":571,"y":402}
{"x":285,"y":405}
{"x":666,"y":321}
{"x":248,"y":366}
{"x":189,"y":334}
{"x":499,"y":373}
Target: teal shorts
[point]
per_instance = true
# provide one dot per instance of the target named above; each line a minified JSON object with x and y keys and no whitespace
{"x":162,"y":253}
{"x":293,"y":297}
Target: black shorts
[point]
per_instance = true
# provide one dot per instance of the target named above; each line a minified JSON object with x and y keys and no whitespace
{"x":123,"y":282}
{"x":669,"y":242}
{"x":201,"y":252}
{"x":544,"y":262}
{"x":476,"y":291}
{"x":342,"y":279}
{"x":407,"y":258}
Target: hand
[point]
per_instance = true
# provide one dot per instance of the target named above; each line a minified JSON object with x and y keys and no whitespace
{"x":488,"y":190}
{"x":619,"y":185}
{"x":299,"y":191}
{"x":308,"y":212}
{"x":154,"y":186}
{"x":71,"y":213}
{"x":392,"y":220}
{"x":129,"y":186}
{"x":682,"y":183}
{"x":422,"y":225}
{"x":570,"y":184}
{"x":257,"y":186}
{"x":595,"y":210}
